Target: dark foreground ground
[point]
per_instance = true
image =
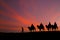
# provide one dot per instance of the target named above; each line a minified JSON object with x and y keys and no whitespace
{"x":31,"y":35}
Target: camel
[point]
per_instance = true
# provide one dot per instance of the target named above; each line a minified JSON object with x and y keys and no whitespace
{"x":40,"y":27}
{"x":32,"y":28}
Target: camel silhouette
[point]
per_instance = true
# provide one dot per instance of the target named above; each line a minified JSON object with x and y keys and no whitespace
{"x":32,"y":28}
{"x":40,"y":27}
{"x":49,"y":26}
{"x":54,"y":27}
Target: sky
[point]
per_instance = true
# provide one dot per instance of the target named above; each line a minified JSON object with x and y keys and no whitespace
{"x":15,"y":14}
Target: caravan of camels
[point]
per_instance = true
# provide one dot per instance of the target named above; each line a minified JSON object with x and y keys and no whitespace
{"x":41,"y":27}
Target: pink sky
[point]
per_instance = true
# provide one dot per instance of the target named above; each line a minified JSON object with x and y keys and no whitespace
{"x":25,"y":12}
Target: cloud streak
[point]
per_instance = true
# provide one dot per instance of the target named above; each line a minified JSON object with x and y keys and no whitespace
{"x":26,"y":12}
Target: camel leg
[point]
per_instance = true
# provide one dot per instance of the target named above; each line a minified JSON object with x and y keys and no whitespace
{"x":52,"y":29}
{"x":35,"y":30}
{"x":31,"y":30}
{"x":55,"y":29}
{"x":48,"y":29}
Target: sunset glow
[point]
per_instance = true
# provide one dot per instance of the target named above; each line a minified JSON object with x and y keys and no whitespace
{"x":15,"y":14}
